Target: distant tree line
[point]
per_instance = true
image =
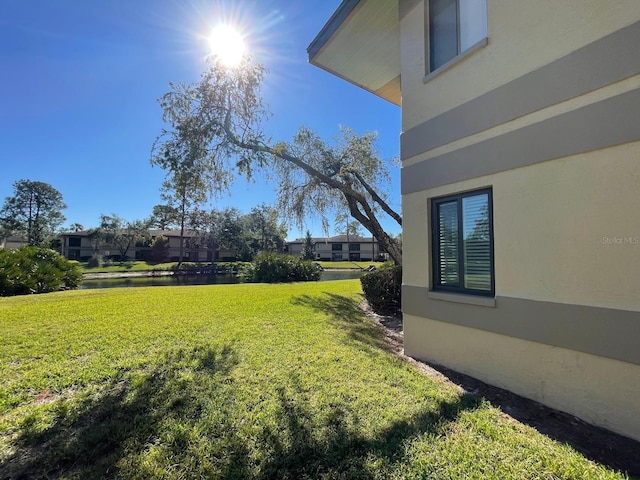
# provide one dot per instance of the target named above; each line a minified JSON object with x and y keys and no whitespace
{"x":260,"y":230}
{"x":34,"y":213}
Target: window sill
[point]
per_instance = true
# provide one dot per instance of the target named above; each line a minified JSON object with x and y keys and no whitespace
{"x":462,"y":298}
{"x":454,"y":61}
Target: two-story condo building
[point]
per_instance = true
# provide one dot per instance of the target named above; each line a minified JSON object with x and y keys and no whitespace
{"x":340,"y":248}
{"x":520,"y":154}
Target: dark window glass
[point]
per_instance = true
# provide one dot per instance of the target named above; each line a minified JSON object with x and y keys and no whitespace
{"x":443,"y":31}
{"x":336,"y":246}
{"x":463,"y":243}
{"x":354,"y":247}
{"x":454,"y":26}
{"x":74,"y":241}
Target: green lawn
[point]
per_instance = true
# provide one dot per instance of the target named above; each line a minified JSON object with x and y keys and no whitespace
{"x":239,"y":381}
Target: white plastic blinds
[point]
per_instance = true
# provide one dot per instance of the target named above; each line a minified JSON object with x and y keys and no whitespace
{"x":448,"y":244}
{"x":477,"y":242}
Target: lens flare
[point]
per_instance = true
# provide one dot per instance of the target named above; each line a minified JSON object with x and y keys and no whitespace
{"x":227,"y":44}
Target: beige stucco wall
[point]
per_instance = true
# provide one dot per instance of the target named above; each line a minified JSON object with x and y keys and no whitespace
{"x":560,"y":28}
{"x":599,"y":390}
{"x":565,"y":230}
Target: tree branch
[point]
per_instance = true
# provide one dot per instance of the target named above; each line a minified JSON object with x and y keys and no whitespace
{"x":392,"y":213}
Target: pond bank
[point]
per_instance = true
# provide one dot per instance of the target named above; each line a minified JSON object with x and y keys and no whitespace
{"x":171,"y":278}
{"x":170,"y":273}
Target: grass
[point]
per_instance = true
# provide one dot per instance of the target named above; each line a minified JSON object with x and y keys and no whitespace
{"x":240,"y":381}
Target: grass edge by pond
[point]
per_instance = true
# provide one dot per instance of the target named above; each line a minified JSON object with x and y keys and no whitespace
{"x":141,"y":266}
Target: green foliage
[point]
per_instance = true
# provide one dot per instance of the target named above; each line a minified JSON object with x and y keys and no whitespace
{"x":164,"y":217}
{"x":159,"y":249}
{"x":36,"y":270}
{"x":95,"y":261}
{"x":121,"y":234}
{"x":308,"y":251}
{"x":382,"y":288}
{"x":264,"y":231}
{"x":34,"y":211}
{"x":276,"y":268}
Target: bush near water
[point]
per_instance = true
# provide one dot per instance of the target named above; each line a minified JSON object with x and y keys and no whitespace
{"x":277,"y":268}
{"x":28,"y":270}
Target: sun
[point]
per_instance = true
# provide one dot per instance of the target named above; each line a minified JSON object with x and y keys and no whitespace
{"x":227,"y":44}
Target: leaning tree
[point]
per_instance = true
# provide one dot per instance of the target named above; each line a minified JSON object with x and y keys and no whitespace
{"x":217,"y":125}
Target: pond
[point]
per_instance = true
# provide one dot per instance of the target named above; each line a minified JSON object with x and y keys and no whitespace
{"x":170,"y":280}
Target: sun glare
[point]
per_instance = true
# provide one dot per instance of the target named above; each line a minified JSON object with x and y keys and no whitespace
{"x":227,"y":44}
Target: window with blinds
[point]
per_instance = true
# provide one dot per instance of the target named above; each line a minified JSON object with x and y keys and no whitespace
{"x":463,"y":243}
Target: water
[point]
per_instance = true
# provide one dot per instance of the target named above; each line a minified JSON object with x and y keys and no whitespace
{"x":170,"y":280}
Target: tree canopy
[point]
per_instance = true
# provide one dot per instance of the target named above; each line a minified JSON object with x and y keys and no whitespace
{"x":34,"y":211}
{"x":260,"y":230}
{"x":119,"y":233}
{"x":216,"y":126}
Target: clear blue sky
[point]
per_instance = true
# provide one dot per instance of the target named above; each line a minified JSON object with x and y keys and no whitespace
{"x":79,"y":83}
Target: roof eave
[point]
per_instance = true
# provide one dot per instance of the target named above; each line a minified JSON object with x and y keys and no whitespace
{"x":335,"y":45}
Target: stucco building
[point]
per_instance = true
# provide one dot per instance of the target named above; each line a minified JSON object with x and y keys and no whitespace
{"x":340,"y":248}
{"x":79,"y":246}
{"x":520,"y":154}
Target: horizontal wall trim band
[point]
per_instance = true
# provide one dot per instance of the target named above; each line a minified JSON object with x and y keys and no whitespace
{"x":598,"y":331}
{"x":603,"y":124}
{"x":603,"y":62}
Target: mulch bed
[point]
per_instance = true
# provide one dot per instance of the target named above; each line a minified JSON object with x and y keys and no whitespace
{"x":598,"y":444}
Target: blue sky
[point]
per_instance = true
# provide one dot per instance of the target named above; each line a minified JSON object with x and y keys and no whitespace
{"x":79,"y":84}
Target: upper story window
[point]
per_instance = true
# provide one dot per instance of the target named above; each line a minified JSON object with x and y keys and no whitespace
{"x":75,"y":241}
{"x":336,"y":246}
{"x":454,"y":26}
{"x":462,"y":243}
{"x":354,"y":247}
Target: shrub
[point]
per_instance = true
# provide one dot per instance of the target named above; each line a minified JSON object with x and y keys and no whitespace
{"x":277,"y":268}
{"x":36,"y":270}
{"x":95,"y":261}
{"x":382,"y":289}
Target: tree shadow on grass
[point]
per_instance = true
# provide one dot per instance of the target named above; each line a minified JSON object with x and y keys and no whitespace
{"x":91,"y":439}
{"x":345,"y":313}
{"x":335,"y":448}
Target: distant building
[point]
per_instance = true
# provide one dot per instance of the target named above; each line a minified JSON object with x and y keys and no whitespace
{"x":12,"y":241}
{"x":340,"y":248}
{"x":78,"y":246}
